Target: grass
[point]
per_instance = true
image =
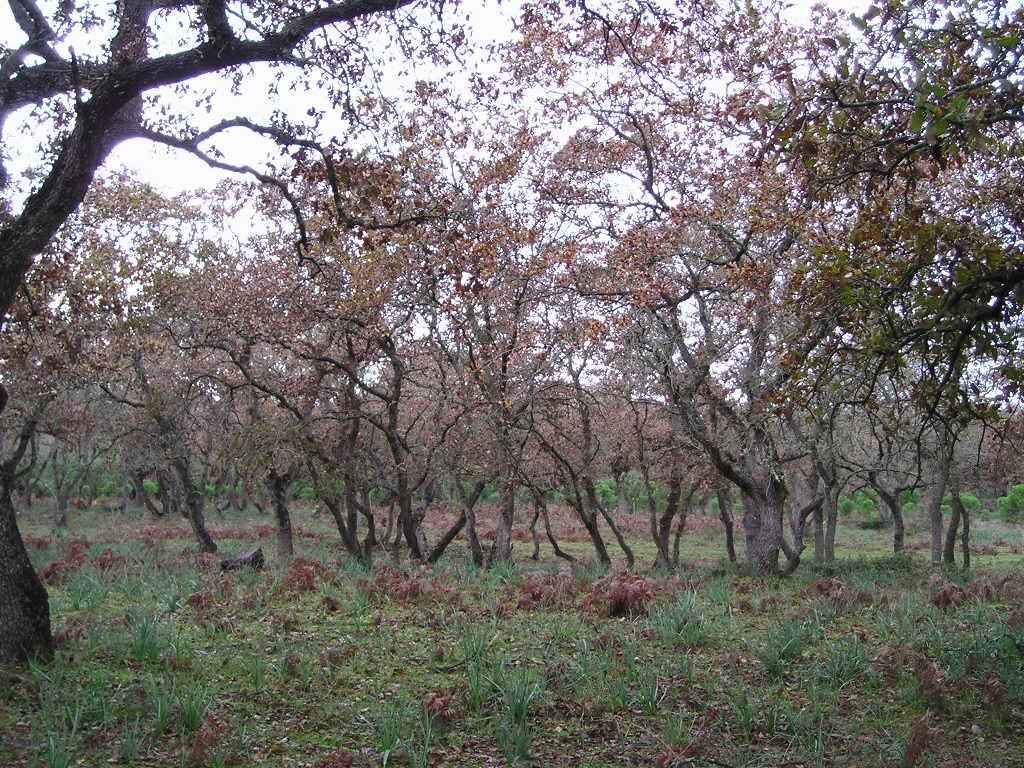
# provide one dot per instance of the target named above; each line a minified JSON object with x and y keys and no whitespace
{"x":163,"y":653}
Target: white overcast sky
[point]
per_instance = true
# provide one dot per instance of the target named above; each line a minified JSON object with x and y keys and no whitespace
{"x":175,"y":172}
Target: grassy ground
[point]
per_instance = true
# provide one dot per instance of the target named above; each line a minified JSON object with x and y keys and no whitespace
{"x":165,"y":662}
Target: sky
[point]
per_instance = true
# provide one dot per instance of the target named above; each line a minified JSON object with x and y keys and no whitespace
{"x":175,"y":172}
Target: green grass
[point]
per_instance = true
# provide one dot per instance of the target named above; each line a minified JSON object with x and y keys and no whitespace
{"x":743,"y":670}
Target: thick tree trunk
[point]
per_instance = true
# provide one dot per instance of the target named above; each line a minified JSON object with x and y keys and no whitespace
{"x":898,"y":528}
{"x":278,"y":486}
{"x":891,"y":500}
{"x":589,"y":520}
{"x":501,"y":547}
{"x":542,"y":509}
{"x":534,"y":534}
{"x":595,"y":507}
{"x":678,"y":538}
{"x":24,"y":604}
{"x":762,"y":523}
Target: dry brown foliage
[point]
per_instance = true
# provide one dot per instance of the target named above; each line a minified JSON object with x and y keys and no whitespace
{"x":623,"y":594}
{"x":339,"y":758}
{"x":948,"y":596}
{"x":921,"y":737}
{"x":547,"y":591}
{"x":57,"y":572}
{"x":210,"y":733}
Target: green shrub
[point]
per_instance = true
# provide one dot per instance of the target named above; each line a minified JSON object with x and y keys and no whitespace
{"x":861,"y":504}
{"x":1011,"y":506}
{"x":304,"y":491}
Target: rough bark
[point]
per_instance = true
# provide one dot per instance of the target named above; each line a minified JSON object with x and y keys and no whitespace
{"x":24,"y":604}
{"x":278,"y":485}
{"x":762,"y":524}
{"x":619,"y":538}
{"x":501,"y":547}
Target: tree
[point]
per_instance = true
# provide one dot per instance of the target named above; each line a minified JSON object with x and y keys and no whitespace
{"x":88,"y":105}
{"x":107,"y":92}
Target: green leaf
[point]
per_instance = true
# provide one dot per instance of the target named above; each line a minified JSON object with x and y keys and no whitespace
{"x":916,"y":121}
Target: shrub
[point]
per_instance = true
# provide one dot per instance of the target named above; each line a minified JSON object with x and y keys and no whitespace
{"x":623,"y":594}
{"x":861,"y":504}
{"x":1011,"y":506}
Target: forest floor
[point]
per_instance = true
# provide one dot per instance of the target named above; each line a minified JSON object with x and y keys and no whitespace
{"x":164,"y":661}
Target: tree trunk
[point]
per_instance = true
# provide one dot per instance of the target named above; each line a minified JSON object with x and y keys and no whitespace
{"x":534,"y":535}
{"x":762,"y":523}
{"x":370,"y":542}
{"x":60,"y":516}
{"x":501,"y":547}
{"x":595,"y":503}
{"x":450,"y":535}
{"x":407,"y":517}
{"x":677,"y":540}
{"x":892,"y":503}
{"x":278,"y":485}
{"x":965,"y":538}
{"x":542,"y":508}
{"x":24,"y":604}
{"x":831,"y":511}
{"x":935,"y":518}
{"x":195,"y":505}
{"x":348,"y":536}
{"x":625,"y":508}
{"x":661,"y":525}
{"x":139,"y":481}
{"x":949,"y":548}
{"x":818,"y":525}
{"x":725,"y":515}
{"x":958,"y":517}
